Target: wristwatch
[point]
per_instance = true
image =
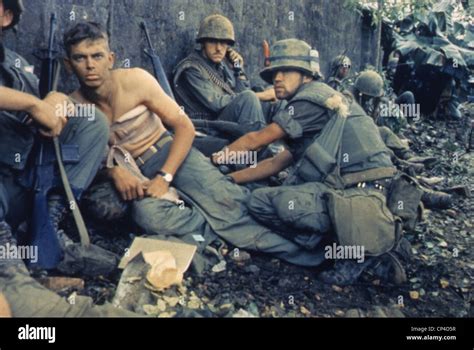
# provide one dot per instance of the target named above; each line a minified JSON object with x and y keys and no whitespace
{"x":166,"y":176}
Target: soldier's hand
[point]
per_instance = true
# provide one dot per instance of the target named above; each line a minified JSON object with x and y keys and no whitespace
{"x":51,"y":114}
{"x":44,"y":114}
{"x":157,"y":187}
{"x":235,"y":57}
{"x":267,"y":95}
{"x":129,"y":186}
{"x":56,"y":130}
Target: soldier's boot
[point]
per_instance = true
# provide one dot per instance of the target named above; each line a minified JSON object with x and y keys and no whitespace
{"x":103,"y":202}
{"x":57,"y":211}
{"x":89,"y":260}
{"x":436,"y":200}
{"x":344,"y":272}
{"x":389,"y":267}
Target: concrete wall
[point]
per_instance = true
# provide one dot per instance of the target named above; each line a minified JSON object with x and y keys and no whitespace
{"x":173,"y":24}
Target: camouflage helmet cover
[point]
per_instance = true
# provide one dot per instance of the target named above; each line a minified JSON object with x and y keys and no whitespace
{"x":370,"y":83}
{"x":292,"y":54}
{"x":339,"y":61}
{"x":216,"y":27}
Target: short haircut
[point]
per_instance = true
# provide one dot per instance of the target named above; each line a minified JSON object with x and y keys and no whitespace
{"x":83,"y":31}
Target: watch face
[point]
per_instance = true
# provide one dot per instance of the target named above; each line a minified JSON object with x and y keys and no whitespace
{"x":168,"y":177}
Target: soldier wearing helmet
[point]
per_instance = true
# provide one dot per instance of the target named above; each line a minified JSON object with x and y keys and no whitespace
{"x":211,"y":82}
{"x":340,"y":69}
{"x":368,"y":91}
{"x":314,"y":109}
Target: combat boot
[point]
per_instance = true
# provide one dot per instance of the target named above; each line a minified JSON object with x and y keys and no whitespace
{"x":57,"y":211}
{"x":344,"y":272}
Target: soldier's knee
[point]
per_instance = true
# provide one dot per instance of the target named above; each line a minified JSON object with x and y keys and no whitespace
{"x":103,"y":202}
{"x":149,"y":213}
{"x":248,"y":96}
{"x":257,"y":201}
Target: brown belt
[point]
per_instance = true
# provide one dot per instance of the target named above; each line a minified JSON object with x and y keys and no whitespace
{"x":150,"y":152}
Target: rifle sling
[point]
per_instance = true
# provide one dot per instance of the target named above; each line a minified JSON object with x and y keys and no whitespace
{"x":81,"y":226}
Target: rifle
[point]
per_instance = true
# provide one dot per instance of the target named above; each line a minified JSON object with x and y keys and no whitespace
{"x":42,"y":231}
{"x":160,"y":74}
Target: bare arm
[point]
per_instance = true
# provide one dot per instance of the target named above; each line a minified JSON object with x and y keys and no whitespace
{"x":267,"y":95}
{"x":149,"y":93}
{"x":257,"y":139}
{"x":42,"y":112}
{"x":264,"y":169}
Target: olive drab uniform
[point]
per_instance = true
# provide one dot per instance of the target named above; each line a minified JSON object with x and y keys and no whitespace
{"x":25,"y":296}
{"x":371,"y":84}
{"x":310,"y":202}
{"x":220,"y":91}
{"x":211,"y":91}
{"x":16,"y":140}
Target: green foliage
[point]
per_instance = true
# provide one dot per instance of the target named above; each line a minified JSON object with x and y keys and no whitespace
{"x":391,"y":10}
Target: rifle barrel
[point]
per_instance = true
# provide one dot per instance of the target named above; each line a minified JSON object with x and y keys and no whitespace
{"x":148,"y":39}
{"x":52,"y":30}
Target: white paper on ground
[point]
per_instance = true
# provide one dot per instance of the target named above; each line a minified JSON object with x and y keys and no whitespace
{"x":182,"y":252}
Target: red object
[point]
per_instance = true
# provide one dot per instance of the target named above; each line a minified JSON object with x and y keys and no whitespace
{"x":266,"y":53}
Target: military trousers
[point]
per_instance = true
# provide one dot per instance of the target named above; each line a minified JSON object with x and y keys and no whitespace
{"x":216,"y":205}
{"x":90,"y":136}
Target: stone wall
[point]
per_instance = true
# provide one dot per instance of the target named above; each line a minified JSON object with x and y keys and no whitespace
{"x":173,"y":24}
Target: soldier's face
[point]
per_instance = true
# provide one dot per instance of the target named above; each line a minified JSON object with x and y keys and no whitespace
{"x":344,"y":71}
{"x":6,"y":16}
{"x":215,"y":50}
{"x":91,"y":62}
{"x":286,"y":83}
